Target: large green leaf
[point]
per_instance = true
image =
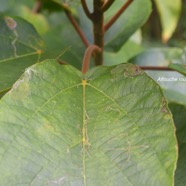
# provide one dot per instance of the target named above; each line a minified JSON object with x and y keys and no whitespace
{"x":109,"y":127}
{"x":179,"y":115}
{"x":20,"y":47}
{"x":169,"y":15}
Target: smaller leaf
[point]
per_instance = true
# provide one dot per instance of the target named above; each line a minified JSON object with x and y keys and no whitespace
{"x":169,"y":14}
{"x":129,"y":50}
{"x":127,"y":24}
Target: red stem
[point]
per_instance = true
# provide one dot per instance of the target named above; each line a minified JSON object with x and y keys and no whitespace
{"x":156,"y":68}
{"x":76,"y":26}
{"x":86,"y":10}
{"x":117,"y":15}
{"x":88,"y":54}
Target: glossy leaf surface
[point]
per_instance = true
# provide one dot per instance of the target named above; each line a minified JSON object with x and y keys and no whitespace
{"x":59,"y":127}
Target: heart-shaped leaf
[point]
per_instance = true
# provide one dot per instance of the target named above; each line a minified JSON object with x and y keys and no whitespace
{"x":108,"y":127}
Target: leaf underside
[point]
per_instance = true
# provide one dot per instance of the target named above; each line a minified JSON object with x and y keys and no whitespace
{"x":58,"y":127}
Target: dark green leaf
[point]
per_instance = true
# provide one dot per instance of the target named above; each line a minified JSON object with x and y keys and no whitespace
{"x":179,"y":115}
{"x":20,"y":47}
{"x":108,"y":127}
{"x":131,"y":20}
{"x":123,"y":55}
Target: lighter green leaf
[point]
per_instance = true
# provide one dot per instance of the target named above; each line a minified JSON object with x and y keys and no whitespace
{"x":169,"y":15}
{"x":59,"y":127}
{"x":20,"y":47}
{"x":123,"y":55}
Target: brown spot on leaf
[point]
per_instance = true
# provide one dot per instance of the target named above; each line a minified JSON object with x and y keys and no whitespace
{"x":132,"y":71}
{"x":164,"y":106}
{"x":128,"y":70}
{"x":11,"y":23}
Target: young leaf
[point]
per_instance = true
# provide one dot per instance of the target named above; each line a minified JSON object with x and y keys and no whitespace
{"x":59,"y":127}
{"x":20,"y":47}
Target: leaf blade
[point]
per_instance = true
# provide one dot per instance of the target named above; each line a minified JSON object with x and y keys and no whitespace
{"x":63,"y":134}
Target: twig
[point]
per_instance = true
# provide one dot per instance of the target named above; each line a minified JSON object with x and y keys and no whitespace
{"x":98,"y":24}
{"x":163,"y":68}
{"x":86,"y":10}
{"x":73,"y":22}
{"x":117,"y":15}
{"x":107,"y":5}
{"x":77,"y":28}
{"x":88,"y":53}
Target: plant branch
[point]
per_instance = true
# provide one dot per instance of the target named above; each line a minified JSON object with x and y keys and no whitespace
{"x":73,"y":22}
{"x":86,"y":10}
{"x":92,"y":49}
{"x":107,"y":5}
{"x":117,"y":15}
{"x":163,"y":68}
{"x":98,"y":30}
{"x":77,"y":28}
